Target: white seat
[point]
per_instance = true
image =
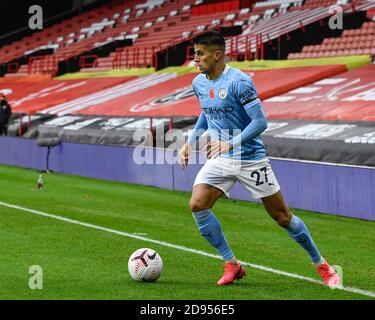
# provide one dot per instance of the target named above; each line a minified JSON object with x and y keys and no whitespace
{"x":239,"y":23}
{"x":201,"y":28}
{"x":186,"y":34}
{"x":230,"y":17}
{"x":139,"y":13}
{"x":132,"y":36}
{"x":81,"y":37}
{"x":244,"y":11}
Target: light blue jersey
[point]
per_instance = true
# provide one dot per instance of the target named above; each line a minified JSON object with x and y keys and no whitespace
{"x":227,"y":103}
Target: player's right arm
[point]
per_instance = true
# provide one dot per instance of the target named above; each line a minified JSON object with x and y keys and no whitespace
{"x":199,"y":128}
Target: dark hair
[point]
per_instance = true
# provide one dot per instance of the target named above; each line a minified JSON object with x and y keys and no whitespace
{"x":211,"y":38}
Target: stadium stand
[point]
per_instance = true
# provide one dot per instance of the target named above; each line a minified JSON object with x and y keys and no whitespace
{"x":348,"y":96}
{"x":351,"y":42}
{"x":154,"y":26}
{"x":129,"y":96}
{"x":82,"y":33}
{"x":96,"y":78}
{"x":272,"y":26}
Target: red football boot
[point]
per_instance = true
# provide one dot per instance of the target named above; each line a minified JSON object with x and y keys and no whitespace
{"x":231,"y":272}
{"x":328,"y":274}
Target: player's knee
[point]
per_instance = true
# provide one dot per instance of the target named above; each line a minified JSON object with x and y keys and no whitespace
{"x":197,"y":205}
{"x":283,"y":219}
{"x":284,"y":222}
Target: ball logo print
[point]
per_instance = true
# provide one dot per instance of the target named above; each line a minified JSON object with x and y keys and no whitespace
{"x":145,"y":265}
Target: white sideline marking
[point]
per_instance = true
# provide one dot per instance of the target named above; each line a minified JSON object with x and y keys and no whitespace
{"x":182,"y":248}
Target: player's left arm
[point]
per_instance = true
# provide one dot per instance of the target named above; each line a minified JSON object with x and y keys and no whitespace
{"x":245,"y":93}
{"x":257,"y":125}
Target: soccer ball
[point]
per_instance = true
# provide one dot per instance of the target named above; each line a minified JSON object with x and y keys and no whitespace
{"x":145,"y":265}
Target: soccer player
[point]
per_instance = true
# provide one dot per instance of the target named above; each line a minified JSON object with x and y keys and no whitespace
{"x":233,"y":115}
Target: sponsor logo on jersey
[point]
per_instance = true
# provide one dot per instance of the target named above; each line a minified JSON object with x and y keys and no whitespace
{"x":223,"y":93}
{"x":218,"y":110}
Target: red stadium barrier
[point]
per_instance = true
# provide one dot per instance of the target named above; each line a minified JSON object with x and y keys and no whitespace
{"x":254,"y":48}
{"x":348,"y":96}
{"x":33,"y":96}
{"x":138,"y":57}
{"x":42,"y":65}
{"x":88,"y":60}
{"x":222,"y":6}
{"x":13,"y":67}
{"x":154,"y":96}
{"x":176,"y":98}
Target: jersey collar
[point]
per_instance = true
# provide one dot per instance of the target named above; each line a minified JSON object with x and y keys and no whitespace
{"x":225,"y":71}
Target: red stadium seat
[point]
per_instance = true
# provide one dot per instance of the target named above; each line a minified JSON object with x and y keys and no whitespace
{"x":362,"y":51}
{"x":332,"y":53}
{"x":343,"y":46}
{"x":325,"y":47}
{"x":335,"y":46}
{"x":345,"y":33}
{"x":329,"y":47}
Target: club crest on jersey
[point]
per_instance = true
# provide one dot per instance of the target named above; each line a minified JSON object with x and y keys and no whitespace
{"x":223,"y":93}
{"x":211,"y":93}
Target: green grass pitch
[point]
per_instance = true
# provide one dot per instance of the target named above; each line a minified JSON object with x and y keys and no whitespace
{"x":79,"y":262}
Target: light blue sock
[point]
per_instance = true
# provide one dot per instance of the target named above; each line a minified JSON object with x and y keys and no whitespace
{"x":210,"y":229}
{"x":299,"y":232}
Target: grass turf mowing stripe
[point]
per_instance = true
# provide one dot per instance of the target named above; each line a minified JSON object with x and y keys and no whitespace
{"x":186,"y":249}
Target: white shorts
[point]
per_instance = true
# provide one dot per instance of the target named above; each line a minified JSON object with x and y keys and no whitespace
{"x":255,"y":176}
